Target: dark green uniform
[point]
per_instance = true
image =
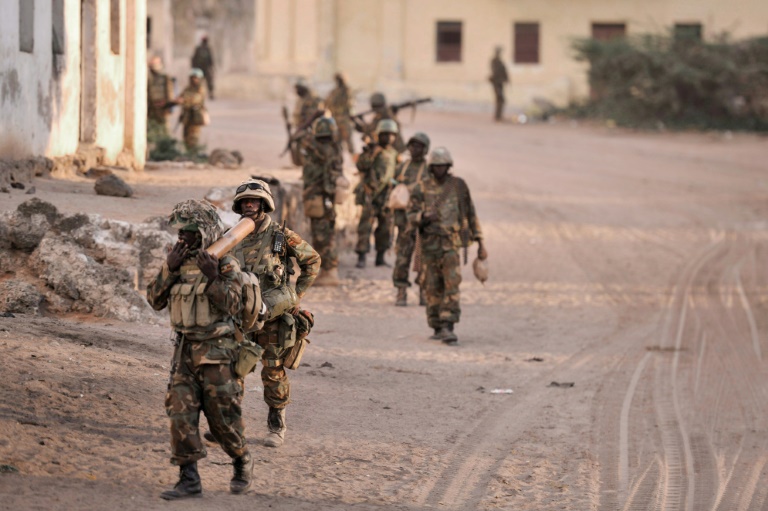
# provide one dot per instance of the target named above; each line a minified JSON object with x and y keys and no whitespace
{"x":499,"y":78}
{"x":202,"y":378}
{"x":203,"y":60}
{"x":409,"y":173}
{"x":441,"y":242}
{"x":377,"y":170}
{"x":339,"y":102}
{"x":322,"y":166}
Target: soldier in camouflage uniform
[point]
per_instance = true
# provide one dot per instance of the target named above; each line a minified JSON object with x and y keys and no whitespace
{"x":339,"y":102}
{"x":159,"y":97}
{"x":322,"y":166}
{"x":202,"y":59}
{"x":203,"y":295}
{"x":193,"y":113}
{"x":381,"y":111}
{"x":442,"y":209}
{"x":259,"y":253}
{"x":498,"y":79}
{"x":409,"y":173}
{"x":377,"y":171}
{"x":308,"y":107}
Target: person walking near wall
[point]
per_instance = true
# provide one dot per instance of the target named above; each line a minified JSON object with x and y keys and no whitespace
{"x":499,"y":78}
{"x":339,"y":102}
{"x":193,"y":114}
{"x":159,"y":98}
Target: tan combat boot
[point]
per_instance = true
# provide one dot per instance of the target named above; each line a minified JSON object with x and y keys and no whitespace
{"x":327,"y":278}
{"x":402,"y":297}
{"x":276,"y":426}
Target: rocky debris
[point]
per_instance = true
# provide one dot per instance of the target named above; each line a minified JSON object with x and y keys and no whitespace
{"x":79,"y":263}
{"x":14,"y":173}
{"x":225,"y":159}
{"x":112,"y":185}
{"x":100,"y":171}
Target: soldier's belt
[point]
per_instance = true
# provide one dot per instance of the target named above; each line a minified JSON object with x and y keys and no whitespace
{"x":269,"y":362}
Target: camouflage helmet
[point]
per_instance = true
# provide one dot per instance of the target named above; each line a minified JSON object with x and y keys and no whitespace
{"x":256,"y":189}
{"x":378,"y":100}
{"x":440,"y":156}
{"x":324,"y":127}
{"x":420,"y":137}
{"x":386,"y":126}
{"x":200,"y":216}
{"x":196,"y":72}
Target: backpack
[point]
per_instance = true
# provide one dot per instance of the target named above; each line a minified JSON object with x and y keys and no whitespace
{"x":254,"y":310}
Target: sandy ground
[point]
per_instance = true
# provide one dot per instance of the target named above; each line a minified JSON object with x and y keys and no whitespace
{"x":628,"y":264}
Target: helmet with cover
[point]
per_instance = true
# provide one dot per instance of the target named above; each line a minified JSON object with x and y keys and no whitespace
{"x":256,"y":189}
{"x":200,"y":216}
{"x":440,"y":156}
{"x":386,"y":126}
{"x":420,"y":137}
{"x":324,"y":127}
{"x":196,"y":72}
{"x":378,"y":100}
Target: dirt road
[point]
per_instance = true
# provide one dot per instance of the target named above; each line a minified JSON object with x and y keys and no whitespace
{"x":631,"y":265}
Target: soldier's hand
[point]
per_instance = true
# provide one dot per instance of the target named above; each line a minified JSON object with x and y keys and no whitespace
{"x":482,"y":253}
{"x":208,"y":264}
{"x":177,"y":255}
{"x":429,"y":217}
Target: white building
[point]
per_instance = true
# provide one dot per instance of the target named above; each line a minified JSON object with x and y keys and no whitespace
{"x":73,"y":79}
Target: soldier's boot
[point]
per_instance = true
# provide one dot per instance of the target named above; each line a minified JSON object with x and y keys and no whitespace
{"x":209,"y":436}
{"x":449,"y":337}
{"x":422,"y":297}
{"x":360,"y":260}
{"x":380,"y":259}
{"x":189,"y":484}
{"x":243,"y":474}
{"x":438,"y":335}
{"x":402,"y":297}
{"x":276,"y":426}
{"x":327,"y":278}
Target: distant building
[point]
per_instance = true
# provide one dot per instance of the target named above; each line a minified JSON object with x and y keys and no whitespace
{"x":440,"y":48}
{"x":73,"y":79}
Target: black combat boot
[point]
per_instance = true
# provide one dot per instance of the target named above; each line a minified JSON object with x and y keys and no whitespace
{"x":402,"y":297}
{"x":448,"y":337}
{"x":189,"y":484}
{"x":437,"y":336}
{"x":209,"y":436}
{"x":360,"y":260}
{"x":380,"y":259}
{"x":422,"y":297}
{"x":241,"y":480}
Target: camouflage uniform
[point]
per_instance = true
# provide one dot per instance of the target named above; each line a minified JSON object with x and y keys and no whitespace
{"x":499,"y":78}
{"x":441,"y":241}
{"x":322,"y":165}
{"x":202,"y":377}
{"x":192,"y":101}
{"x":377,"y":169}
{"x":203,"y":60}
{"x":410,"y":173}
{"x":339,"y":102}
{"x":159,"y":95}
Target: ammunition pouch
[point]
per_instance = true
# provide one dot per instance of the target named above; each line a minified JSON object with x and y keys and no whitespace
{"x":190,"y":307}
{"x":248,"y":358}
{"x":278,"y":301}
{"x":293,"y":359}
{"x":314,"y":206}
{"x":286,"y":332}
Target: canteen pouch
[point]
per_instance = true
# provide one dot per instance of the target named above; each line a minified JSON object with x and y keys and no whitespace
{"x":293,"y":359}
{"x":314,"y":207}
{"x":186,"y":301}
{"x":248,"y":357}
{"x":286,"y":333}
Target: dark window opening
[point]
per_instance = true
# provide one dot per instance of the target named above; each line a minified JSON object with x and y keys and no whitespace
{"x":449,"y":41}
{"x":114,"y":26}
{"x":608,"y":31}
{"x":57,"y":21}
{"x":526,"y":43}
{"x":27,"y":25}
{"x":688,"y":32}
{"x":149,"y":32}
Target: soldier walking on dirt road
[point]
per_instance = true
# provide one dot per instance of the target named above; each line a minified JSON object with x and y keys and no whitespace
{"x":443,"y":212}
{"x":203,"y":295}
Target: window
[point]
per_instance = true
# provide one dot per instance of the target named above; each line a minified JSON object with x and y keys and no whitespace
{"x":149,"y":32}
{"x":114,"y":26}
{"x":526,"y":43}
{"x":608,"y":31}
{"x":687,"y":31}
{"x":449,"y":41}
{"x":57,"y":15}
{"x":27,"y":25}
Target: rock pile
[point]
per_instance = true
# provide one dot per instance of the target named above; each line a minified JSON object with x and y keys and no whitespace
{"x":78,"y":263}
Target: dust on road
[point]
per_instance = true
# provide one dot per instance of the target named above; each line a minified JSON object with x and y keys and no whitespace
{"x":630,"y":263}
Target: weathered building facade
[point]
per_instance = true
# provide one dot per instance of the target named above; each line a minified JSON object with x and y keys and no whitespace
{"x":73,"y":79}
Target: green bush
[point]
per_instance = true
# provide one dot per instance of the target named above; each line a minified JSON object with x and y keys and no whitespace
{"x":648,"y":80}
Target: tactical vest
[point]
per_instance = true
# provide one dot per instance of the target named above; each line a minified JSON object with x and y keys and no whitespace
{"x":158,"y":90}
{"x":190,"y":309}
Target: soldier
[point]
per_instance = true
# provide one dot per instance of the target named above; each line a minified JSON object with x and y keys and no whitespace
{"x":203,"y":295}
{"x":498,"y":79}
{"x":381,"y":111}
{"x":159,"y":97}
{"x":339,"y":102}
{"x":408,"y":173}
{"x":202,"y":59}
{"x":377,"y":170}
{"x":322,"y":166}
{"x":265,"y":252}
{"x":442,"y":209}
{"x":308,"y":107}
{"x":193,"y":114}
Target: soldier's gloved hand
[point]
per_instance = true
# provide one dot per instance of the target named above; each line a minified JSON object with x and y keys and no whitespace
{"x":208,"y":264}
{"x":177,"y":255}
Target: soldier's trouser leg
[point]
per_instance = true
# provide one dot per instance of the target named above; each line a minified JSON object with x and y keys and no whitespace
{"x":364,"y":229}
{"x":406,"y":242}
{"x":222,"y":398}
{"x":498,"y":91}
{"x":324,"y":240}
{"x":183,"y":402}
{"x":277,"y":387}
{"x":383,"y":233}
{"x":191,"y":137}
{"x":442,"y":279}
{"x":209,"y":81}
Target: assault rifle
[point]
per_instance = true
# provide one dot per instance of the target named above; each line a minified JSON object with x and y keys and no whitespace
{"x":300,"y":129}
{"x":357,"y":119}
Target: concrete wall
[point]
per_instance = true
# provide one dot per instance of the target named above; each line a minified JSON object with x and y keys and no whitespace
{"x":51,"y":103}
